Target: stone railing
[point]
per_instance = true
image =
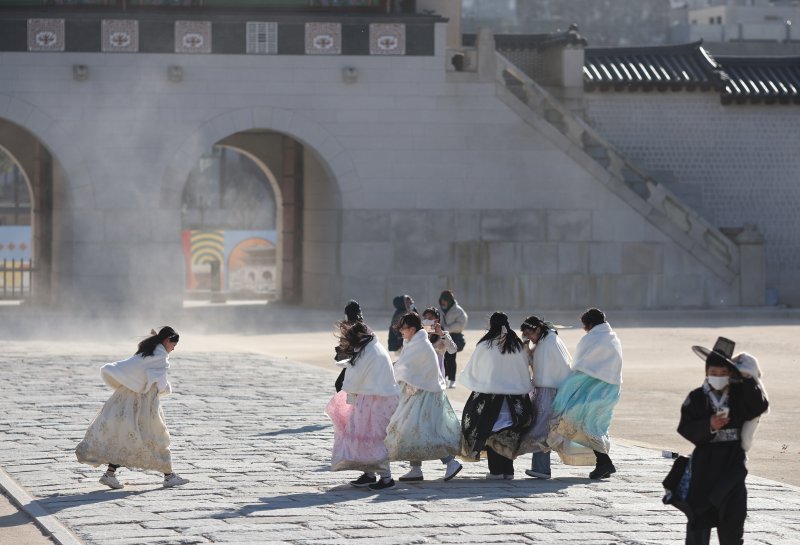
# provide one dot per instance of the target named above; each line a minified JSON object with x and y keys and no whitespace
{"x":656,"y":203}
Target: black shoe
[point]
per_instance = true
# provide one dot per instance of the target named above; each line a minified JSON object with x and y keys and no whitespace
{"x":382,"y":485}
{"x":364,"y":480}
{"x":603,"y":471}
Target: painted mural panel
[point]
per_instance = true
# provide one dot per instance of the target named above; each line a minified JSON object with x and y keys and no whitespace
{"x":247,"y":258}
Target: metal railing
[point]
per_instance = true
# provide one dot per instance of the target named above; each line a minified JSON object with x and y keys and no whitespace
{"x":16,"y":277}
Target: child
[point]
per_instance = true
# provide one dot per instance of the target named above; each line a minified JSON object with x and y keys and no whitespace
{"x":441,"y":340}
{"x":551,"y":365}
{"x":424,"y":426}
{"x":716,"y":418}
{"x":130,"y":430}
{"x":361,"y":411}
{"x":584,"y":404}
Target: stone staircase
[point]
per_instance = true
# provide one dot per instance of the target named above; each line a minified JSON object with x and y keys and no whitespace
{"x":653,"y":201}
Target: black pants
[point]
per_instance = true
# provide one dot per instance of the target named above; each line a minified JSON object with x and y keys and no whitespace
{"x":602,"y":458}
{"x":727,"y":534}
{"x":450,"y":366}
{"x":498,"y":464}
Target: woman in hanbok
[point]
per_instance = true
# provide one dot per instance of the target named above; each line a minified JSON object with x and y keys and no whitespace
{"x":499,"y":411}
{"x":424,"y":426}
{"x":551,"y":365}
{"x":352,"y":314}
{"x":130,"y":430}
{"x":361,"y":411}
{"x":584,"y":404}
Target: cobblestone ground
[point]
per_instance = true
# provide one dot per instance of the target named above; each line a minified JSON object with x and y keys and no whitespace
{"x":251,"y":435}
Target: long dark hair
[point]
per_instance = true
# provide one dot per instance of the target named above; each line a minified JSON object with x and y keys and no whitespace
{"x":148,"y":346}
{"x":496,"y":322}
{"x":532,"y":322}
{"x":353,"y":337}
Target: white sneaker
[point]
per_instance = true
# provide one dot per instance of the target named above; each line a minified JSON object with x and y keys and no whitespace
{"x":415,"y":475}
{"x":110,"y":480}
{"x":453,"y":467}
{"x":495,"y":476}
{"x":174,"y":480}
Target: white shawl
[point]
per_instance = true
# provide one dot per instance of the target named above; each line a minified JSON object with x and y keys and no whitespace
{"x":599,"y":354}
{"x":418,"y":364}
{"x":372,"y":373}
{"x":139,"y":373}
{"x":552,"y":363}
{"x":490,"y":372}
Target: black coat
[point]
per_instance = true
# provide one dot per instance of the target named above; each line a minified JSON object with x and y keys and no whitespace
{"x":717,"y":491}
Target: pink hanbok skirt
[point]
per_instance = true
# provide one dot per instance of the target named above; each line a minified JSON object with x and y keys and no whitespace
{"x":359,"y":430}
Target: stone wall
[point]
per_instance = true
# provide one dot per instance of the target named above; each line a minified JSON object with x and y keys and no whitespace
{"x":734,"y":164}
{"x":412,"y":183}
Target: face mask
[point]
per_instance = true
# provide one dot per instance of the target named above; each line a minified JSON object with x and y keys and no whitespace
{"x":718,"y":383}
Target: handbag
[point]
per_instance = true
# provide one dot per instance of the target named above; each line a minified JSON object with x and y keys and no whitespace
{"x":676,"y":484}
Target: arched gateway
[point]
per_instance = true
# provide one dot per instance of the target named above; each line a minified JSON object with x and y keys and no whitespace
{"x":307,"y":172}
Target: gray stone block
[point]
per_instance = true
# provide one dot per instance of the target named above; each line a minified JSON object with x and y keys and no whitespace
{"x":366,"y":258}
{"x":467,"y":225}
{"x":575,"y":225}
{"x":471,"y":258}
{"x":505,"y":258}
{"x":417,"y":258}
{"x":540,"y":258}
{"x":507,"y":225}
{"x":370,"y":291}
{"x":605,"y":258}
{"x":573,"y":258}
{"x":637,"y":291}
{"x":642,"y":258}
{"x":366,"y":226}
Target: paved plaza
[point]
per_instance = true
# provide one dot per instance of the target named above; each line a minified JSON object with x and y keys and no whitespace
{"x":250,"y":433}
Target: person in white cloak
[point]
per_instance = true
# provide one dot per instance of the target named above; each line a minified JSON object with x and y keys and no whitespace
{"x":584,"y":404}
{"x":424,"y":426}
{"x":499,"y":411}
{"x":551,"y":365}
{"x":361,"y":411}
{"x":130,"y":429}
{"x":441,"y":340}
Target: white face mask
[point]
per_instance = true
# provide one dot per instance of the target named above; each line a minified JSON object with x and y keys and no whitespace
{"x":718,"y":383}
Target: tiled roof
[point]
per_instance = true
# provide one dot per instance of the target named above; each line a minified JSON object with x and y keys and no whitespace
{"x":690,"y":67}
{"x":675,"y":67}
{"x":761,"y":79}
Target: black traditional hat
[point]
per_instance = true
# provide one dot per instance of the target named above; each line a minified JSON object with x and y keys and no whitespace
{"x":720,"y":355}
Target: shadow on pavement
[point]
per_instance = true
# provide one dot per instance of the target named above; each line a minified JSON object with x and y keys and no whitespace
{"x":303,"y":429}
{"x":54,"y":504}
{"x":472,"y":489}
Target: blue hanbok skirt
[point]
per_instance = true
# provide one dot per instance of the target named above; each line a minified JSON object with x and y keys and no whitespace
{"x":582,"y":411}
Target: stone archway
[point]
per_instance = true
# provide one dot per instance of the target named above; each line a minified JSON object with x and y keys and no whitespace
{"x":314,"y":176}
{"x":37,"y":166}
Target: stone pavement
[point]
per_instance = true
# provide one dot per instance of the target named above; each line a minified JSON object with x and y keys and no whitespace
{"x":251,"y":435}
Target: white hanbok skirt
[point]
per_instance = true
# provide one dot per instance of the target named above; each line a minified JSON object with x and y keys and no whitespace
{"x":129,"y":431}
{"x":424,"y":427}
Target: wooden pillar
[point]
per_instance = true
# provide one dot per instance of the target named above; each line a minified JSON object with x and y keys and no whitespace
{"x":291,"y":183}
{"x":41,"y":179}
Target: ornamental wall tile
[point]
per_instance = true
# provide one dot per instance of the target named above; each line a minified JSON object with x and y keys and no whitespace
{"x":192,"y":37}
{"x":45,"y":34}
{"x":262,"y":38}
{"x":119,"y":36}
{"x":387,"y":39}
{"x":323,"y":39}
